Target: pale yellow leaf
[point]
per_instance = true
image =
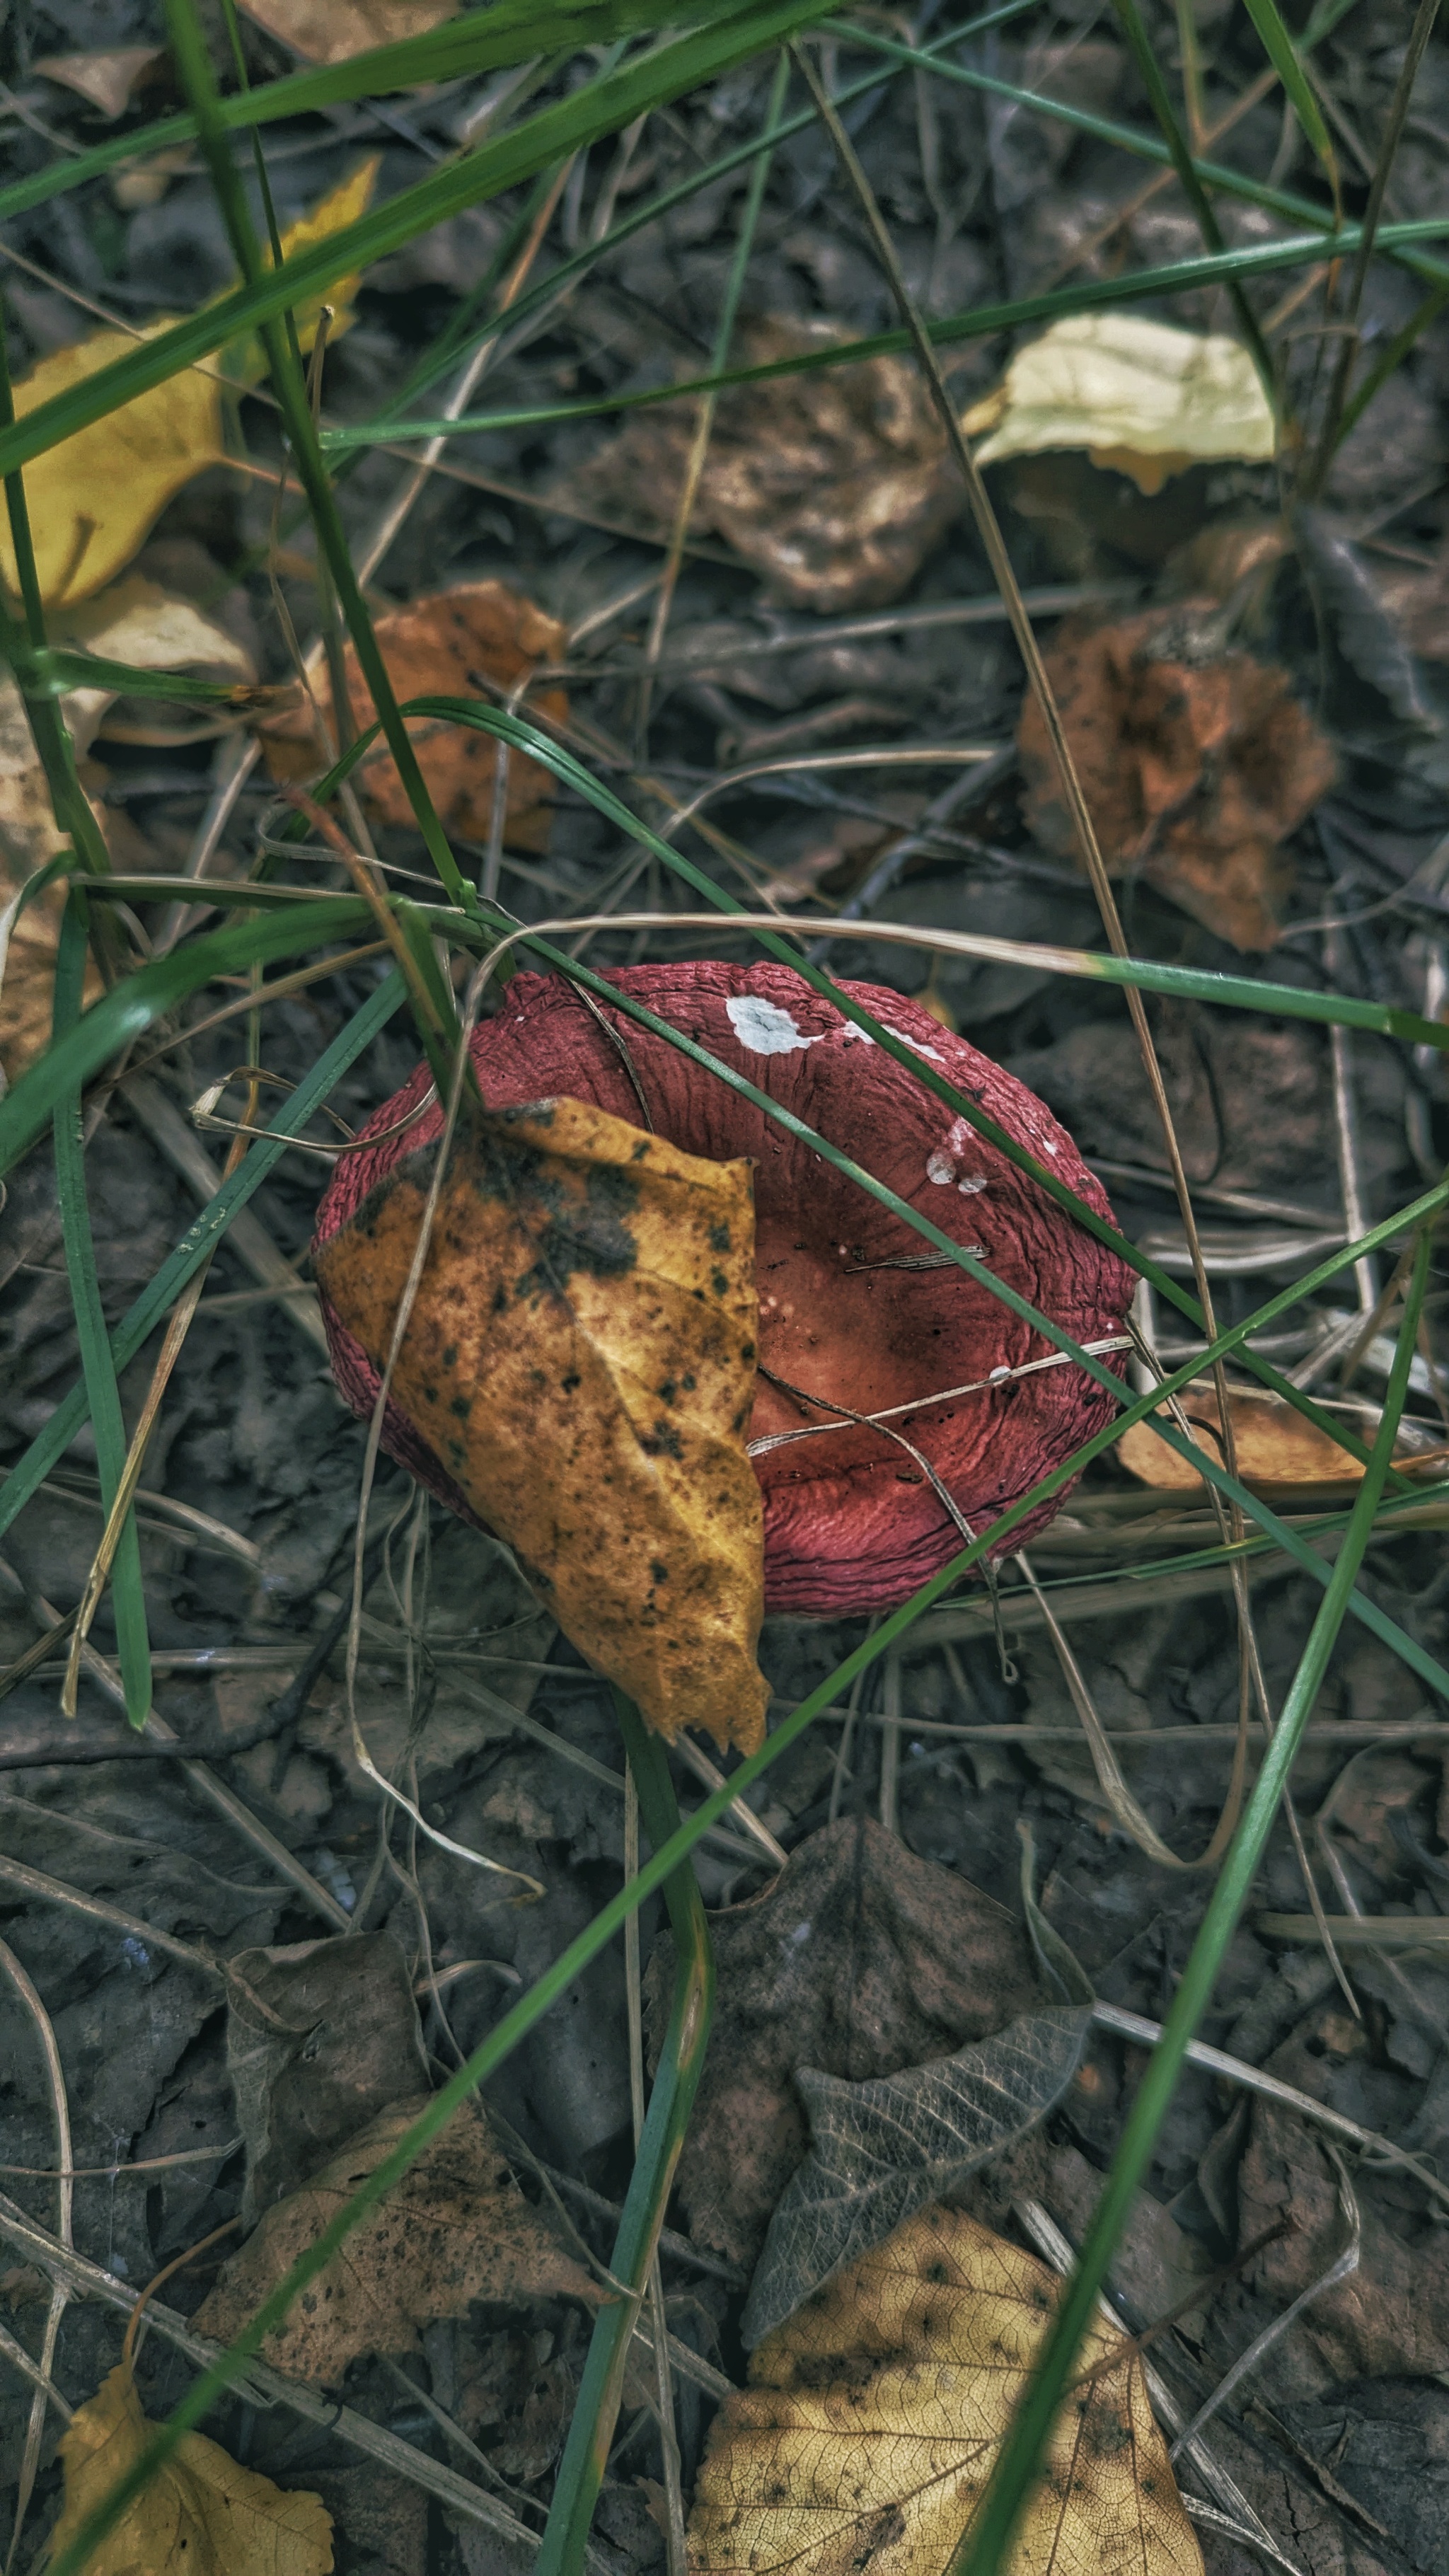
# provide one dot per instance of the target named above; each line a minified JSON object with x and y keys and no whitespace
{"x":1139,"y":396}
{"x":581,"y":1361}
{"x":874,"y":2417}
{"x":332,"y":31}
{"x":345,"y":204}
{"x":1278,"y":1454}
{"x":94,"y":498}
{"x":201,"y":2514}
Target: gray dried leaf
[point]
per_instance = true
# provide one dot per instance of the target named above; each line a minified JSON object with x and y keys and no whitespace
{"x":880,"y":2151}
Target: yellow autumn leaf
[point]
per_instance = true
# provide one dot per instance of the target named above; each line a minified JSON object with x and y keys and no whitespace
{"x":201,"y":2514}
{"x":1140,"y":396}
{"x":874,"y":2416}
{"x":580,"y":1360}
{"x":1278,"y":1453}
{"x":94,"y":499}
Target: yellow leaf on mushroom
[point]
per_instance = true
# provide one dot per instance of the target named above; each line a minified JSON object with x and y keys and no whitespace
{"x":201,"y":2514}
{"x":581,"y":1361}
{"x":1140,"y":396}
{"x":874,"y":2417}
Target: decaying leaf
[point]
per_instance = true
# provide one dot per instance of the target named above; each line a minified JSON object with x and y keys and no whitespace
{"x":1196,"y":764}
{"x":107,"y":81}
{"x":835,"y":485}
{"x":880,"y":2151}
{"x":861,"y":1959}
{"x":455,"y":2228}
{"x":321,"y":2037}
{"x":435,"y":648}
{"x":201,"y":2514}
{"x":872,"y":2423}
{"x":581,"y":1357}
{"x":137,"y":622}
{"x":1140,"y":396}
{"x":1279,"y":1454}
{"x":332,"y":31}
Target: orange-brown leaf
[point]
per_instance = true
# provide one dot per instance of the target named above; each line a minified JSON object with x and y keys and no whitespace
{"x":581,"y":1360}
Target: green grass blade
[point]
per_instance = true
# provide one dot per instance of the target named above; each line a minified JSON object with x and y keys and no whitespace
{"x":986,"y":2547}
{"x":598,"y":109}
{"x":1282,"y":53}
{"x":127,"y":1595}
{"x":151,"y":1308}
{"x":681,"y":2063}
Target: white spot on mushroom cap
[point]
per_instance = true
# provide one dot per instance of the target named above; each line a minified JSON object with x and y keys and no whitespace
{"x":973,"y":1182}
{"x":763,"y":1028}
{"x":940,"y":1168}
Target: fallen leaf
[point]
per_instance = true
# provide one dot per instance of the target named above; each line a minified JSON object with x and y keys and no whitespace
{"x":456,"y":2228}
{"x":873,"y":2421}
{"x":1196,"y":764}
{"x":860,"y":1960}
{"x":321,"y":2037}
{"x":345,"y":204}
{"x":1279,"y":1454}
{"x":201,"y":2513}
{"x":835,"y":484}
{"x":1141,"y":397}
{"x":145,"y":180}
{"x":435,"y":648}
{"x":332,"y":31}
{"x":581,"y":1356}
{"x":93,"y":499}
{"x":108,"y":81}
{"x":881,"y":2151}
{"x":136,"y":622}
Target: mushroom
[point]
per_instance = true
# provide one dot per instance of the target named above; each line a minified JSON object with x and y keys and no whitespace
{"x":858,"y":1317}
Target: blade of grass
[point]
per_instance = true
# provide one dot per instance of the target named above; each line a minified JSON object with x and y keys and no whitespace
{"x":156,"y":1299}
{"x":103,"y":1394}
{"x":681,"y":2063}
{"x":986,"y":2546}
{"x":1282,"y":53}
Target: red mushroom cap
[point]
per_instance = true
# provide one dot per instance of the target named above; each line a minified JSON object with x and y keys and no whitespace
{"x":847,"y":1312}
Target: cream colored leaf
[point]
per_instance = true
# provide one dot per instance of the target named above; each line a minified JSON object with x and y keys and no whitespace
{"x":581,"y":1362}
{"x":332,"y":31}
{"x":1140,"y":396}
{"x":456,"y":2228}
{"x":134,"y":621}
{"x":873,"y":2419}
{"x":105,"y":80}
{"x":201,"y":2514}
{"x":94,"y":498}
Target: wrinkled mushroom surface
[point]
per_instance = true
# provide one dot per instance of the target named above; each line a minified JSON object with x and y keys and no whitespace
{"x":848,"y":1314}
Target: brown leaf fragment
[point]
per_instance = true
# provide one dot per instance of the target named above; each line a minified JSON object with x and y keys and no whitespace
{"x":321,"y":2037}
{"x":456,"y":2228}
{"x":107,"y":81}
{"x":435,"y":648}
{"x":874,"y":2417}
{"x":332,"y":31}
{"x":835,"y":485}
{"x":859,"y":1960}
{"x":200,"y":2514}
{"x":1196,"y":764}
{"x":581,"y":1357}
{"x":1279,"y":1455}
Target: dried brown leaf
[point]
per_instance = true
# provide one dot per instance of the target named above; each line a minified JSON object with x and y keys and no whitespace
{"x":456,"y":2228}
{"x":834,"y":485}
{"x":1279,"y":1455}
{"x":201,"y":2514}
{"x":1196,"y":763}
{"x":859,"y":1960}
{"x":874,"y":2417}
{"x":332,"y":31}
{"x":434,"y":648}
{"x":581,"y":1357}
{"x":107,"y":81}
